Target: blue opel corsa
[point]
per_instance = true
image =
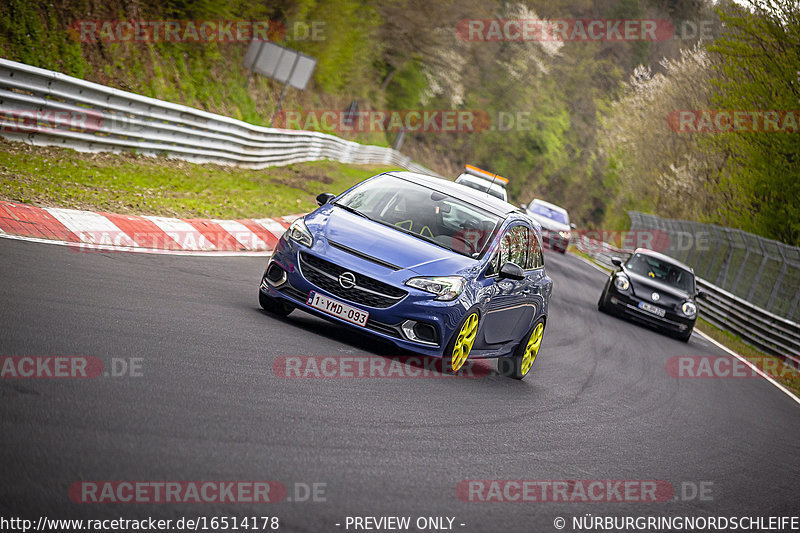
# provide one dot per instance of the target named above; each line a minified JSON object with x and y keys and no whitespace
{"x":432,"y":266}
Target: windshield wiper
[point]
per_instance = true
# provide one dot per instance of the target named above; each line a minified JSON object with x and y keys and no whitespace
{"x":351,"y":210}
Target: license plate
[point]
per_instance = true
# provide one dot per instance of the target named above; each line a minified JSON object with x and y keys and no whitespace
{"x":652,"y":309}
{"x":337,"y":309}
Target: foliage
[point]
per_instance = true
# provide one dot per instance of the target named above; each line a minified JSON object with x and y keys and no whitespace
{"x":759,"y":70}
{"x":565,"y":124}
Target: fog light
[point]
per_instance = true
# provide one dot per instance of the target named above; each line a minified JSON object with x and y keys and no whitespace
{"x":421,"y":332}
{"x":276,"y":275}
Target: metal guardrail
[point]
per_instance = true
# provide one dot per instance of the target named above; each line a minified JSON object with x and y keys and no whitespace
{"x":43,"y":107}
{"x":770,"y":333}
{"x":116,"y":120}
{"x":761,"y":271}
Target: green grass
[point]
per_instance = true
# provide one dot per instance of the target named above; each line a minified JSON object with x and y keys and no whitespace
{"x":141,"y":185}
{"x":787,"y":376}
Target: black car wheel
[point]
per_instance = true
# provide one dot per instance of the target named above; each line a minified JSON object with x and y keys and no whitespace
{"x":460,"y":345}
{"x":518,"y":365}
{"x":602,"y":303}
{"x":271,"y":305}
{"x":684,"y":337}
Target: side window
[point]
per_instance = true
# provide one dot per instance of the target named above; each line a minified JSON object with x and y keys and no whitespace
{"x":517,"y":245}
{"x":513,"y":247}
{"x":535,"y":257}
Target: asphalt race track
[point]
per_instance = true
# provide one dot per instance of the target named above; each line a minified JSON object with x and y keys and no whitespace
{"x":598,"y":405}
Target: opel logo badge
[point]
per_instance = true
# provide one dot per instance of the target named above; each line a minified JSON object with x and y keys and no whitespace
{"x":655,"y":296}
{"x":347,"y":280}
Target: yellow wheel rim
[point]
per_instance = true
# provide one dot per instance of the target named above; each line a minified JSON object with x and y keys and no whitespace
{"x":464,"y":342}
{"x":532,"y":349}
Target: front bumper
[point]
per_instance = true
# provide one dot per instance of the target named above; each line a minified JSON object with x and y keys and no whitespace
{"x":628,"y":305}
{"x":387,"y":322}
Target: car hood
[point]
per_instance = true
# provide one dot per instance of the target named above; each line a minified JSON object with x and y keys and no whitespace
{"x":643,"y":287}
{"x":548,"y":223}
{"x":385,"y":243}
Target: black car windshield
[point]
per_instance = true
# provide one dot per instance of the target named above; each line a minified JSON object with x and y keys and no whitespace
{"x":423,"y":212}
{"x":552,"y":214}
{"x":654,"y":268}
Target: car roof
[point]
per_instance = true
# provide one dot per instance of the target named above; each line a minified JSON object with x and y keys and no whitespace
{"x":551,"y":206}
{"x":485,"y":201}
{"x":475,"y":179}
{"x":663,"y":257}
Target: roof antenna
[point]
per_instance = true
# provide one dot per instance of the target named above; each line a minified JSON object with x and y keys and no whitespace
{"x":494,"y":178}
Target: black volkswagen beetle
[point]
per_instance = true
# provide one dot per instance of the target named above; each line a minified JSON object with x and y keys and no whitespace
{"x":655,"y":289}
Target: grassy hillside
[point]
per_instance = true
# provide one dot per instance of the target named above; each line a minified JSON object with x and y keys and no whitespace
{"x":580,"y":123}
{"x":144,"y":185}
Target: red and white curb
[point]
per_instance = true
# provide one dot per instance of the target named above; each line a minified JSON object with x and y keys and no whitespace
{"x":90,"y":231}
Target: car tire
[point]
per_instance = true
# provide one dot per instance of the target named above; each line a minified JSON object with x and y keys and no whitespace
{"x":460,"y":345}
{"x":602,"y":304}
{"x":684,"y":337}
{"x":519,"y":365}
{"x":271,"y":305}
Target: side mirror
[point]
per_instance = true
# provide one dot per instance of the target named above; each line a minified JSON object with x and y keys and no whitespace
{"x":702,"y":295}
{"x":511,"y":270}
{"x":324,"y":198}
{"x":524,"y":206}
{"x":616,"y":261}
{"x":572,"y":225}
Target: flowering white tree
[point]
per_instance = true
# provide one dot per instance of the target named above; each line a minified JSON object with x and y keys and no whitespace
{"x":653,"y":165}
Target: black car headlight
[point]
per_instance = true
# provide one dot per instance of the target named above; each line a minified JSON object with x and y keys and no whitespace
{"x":298,"y":232}
{"x":446,"y":287}
{"x":622,"y":283}
{"x":689,"y":309}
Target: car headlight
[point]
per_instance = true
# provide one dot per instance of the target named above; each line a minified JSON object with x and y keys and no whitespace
{"x":689,"y":308}
{"x":298,"y":232}
{"x":447,"y":288}
{"x":622,"y":283}
{"x":564,"y":234}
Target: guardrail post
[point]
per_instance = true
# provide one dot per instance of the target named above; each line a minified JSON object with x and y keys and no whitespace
{"x":777,"y":281}
{"x":744,"y":262}
{"x":722,"y":277}
{"x":760,"y":270}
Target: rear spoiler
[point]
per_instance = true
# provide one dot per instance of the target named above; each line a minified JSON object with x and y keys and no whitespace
{"x":485,"y":174}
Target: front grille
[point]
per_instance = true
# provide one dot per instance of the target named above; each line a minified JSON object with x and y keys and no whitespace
{"x":367,"y":291}
{"x":294,"y":293}
{"x":386,"y":329}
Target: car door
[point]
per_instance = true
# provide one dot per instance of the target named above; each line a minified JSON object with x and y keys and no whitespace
{"x":509,"y":308}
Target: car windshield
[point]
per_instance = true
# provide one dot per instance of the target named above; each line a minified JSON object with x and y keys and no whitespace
{"x":483,"y":188}
{"x":552,"y":214}
{"x":423,"y":212}
{"x":482,"y":185}
{"x":654,"y":268}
